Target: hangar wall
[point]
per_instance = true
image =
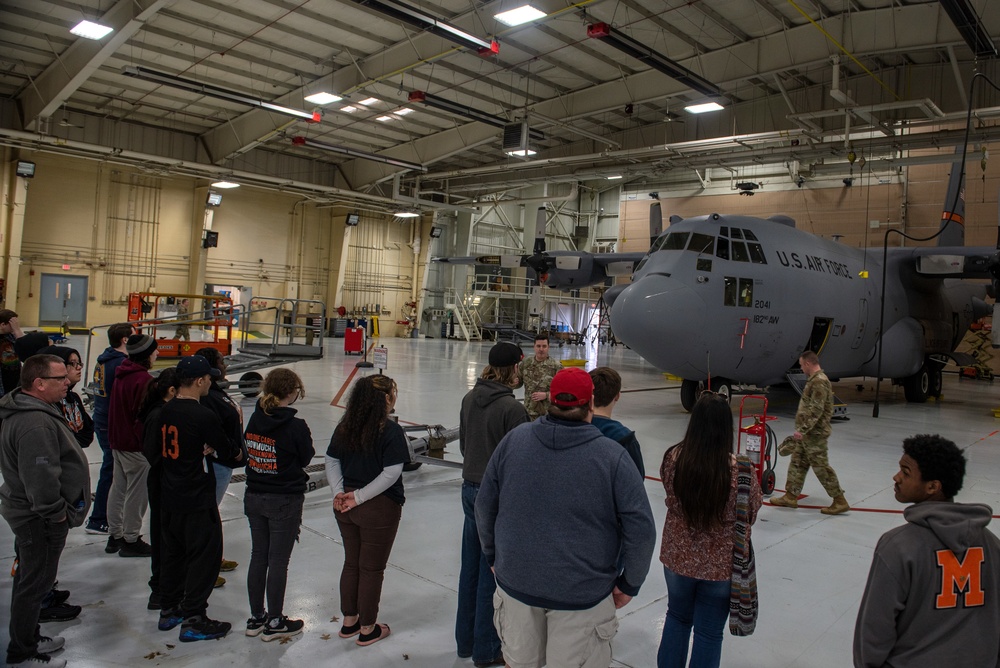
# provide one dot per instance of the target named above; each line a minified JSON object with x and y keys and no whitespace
{"x":126,"y":230}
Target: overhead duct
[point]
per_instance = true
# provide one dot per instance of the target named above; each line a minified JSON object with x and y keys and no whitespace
{"x":468,"y":112}
{"x":969,"y":25}
{"x":424,"y":21}
{"x":364,"y":155}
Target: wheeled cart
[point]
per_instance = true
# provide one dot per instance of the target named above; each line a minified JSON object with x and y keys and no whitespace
{"x":354,"y":341}
{"x":756,"y":440}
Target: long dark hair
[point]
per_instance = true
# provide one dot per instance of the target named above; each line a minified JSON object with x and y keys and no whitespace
{"x":156,"y":390}
{"x":366,"y":413}
{"x":703,"y":475}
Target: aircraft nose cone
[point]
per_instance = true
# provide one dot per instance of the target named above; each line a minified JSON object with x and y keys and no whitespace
{"x":656,"y":316}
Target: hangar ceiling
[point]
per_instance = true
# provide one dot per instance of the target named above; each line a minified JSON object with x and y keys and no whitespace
{"x":801,"y":81}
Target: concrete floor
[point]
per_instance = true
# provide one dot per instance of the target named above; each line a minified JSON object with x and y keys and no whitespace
{"x":811,"y":569}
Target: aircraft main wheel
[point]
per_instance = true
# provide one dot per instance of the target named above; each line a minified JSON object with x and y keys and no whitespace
{"x":724,"y":388}
{"x":936,"y":381}
{"x":767,"y":482}
{"x":250,"y":383}
{"x":917,"y":387}
{"x":690,"y":391}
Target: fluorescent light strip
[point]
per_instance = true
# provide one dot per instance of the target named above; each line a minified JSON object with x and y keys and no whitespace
{"x":225,"y":184}
{"x":90,"y":30}
{"x":406,"y":214}
{"x":369,"y":102}
{"x":403,"y":112}
{"x":519,"y":15}
{"x":343,"y":150}
{"x":612,"y":178}
{"x":521,"y":152}
{"x":625,"y":44}
{"x":385,"y":118}
{"x":420,"y":19}
{"x":468,"y":112}
{"x":209,"y":90}
{"x":349,"y":109}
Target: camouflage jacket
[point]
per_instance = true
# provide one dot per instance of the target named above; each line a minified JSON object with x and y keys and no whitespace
{"x":536,"y":377}
{"x":812,"y":419}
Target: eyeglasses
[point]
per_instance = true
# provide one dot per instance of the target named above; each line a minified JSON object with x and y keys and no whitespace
{"x":54,"y":377}
{"x":75,"y":365}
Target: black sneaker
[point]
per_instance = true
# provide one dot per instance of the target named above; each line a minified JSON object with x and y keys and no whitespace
{"x":155,"y":602}
{"x":200,"y":627}
{"x":281,"y":627}
{"x":59,"y":613}
{"x":139,"y":548}
{"x":97,"y":528}
{"x":255,"y":625}
{"x":169,"y":619}
{"x":55,"y":597}
{"x":114,"y":544}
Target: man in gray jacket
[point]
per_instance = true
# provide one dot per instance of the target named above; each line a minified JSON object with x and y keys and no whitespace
{"x":558,"y":503}
{"x":933,"y":589}
{"x":46,"y":490}
{"x":489,"y":411}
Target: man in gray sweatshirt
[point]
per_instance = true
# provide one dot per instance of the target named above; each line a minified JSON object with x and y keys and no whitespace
{"x":489,"y":411}
{"x":933,"y":589}
{"x":558,"y":503}
{"x":46,"y":490}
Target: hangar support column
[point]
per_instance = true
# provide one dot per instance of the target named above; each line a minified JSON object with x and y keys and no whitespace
{"x":15,"y":194}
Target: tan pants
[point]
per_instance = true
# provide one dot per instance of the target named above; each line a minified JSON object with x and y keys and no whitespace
{"x":535,"y":637}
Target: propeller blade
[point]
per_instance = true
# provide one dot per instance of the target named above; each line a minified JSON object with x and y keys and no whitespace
{"x":655,"y":222}
{"x":540,"y":222}
{"x":535,"y":301}
{"x":500,"y":260}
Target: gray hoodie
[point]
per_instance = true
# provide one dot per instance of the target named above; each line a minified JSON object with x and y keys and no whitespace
{"x":933,"y":590}
{"x":489,"y":411}
{"x":45,"y":473}
{"x":558,"y":503}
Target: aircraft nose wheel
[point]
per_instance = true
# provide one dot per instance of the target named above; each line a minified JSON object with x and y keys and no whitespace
{"x":691,"y":391}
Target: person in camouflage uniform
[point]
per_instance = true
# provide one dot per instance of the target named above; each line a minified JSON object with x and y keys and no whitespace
{"x":536,"y":376}
{"x":812,"y":429}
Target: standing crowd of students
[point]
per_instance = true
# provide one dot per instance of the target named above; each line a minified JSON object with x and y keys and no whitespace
{"x":558,"y":532}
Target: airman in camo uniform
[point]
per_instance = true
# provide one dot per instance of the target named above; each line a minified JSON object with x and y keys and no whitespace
{"x":536,"y":376}
{"x":812,"y":429}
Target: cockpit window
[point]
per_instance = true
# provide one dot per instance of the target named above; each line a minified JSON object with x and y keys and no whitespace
{"x":736,"y":234}
{"x":722,"y":249}
{"x":749,"y":235}
{"x":756,"y":253}
{"x":702,"y":243}
{"x":723,"y":231}
{"x":740,"y":251}
{"x":676,"y":241}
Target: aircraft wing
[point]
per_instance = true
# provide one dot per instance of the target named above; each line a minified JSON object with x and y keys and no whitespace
{"x":955,"y":261}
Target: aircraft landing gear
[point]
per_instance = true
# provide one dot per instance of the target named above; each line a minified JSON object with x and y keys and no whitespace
{"x":924,"y":383}
{"x":691,"y":391}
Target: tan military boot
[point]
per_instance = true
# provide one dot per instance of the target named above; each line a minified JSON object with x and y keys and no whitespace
{"x":786,"y":501}
{"x":838,"y":506}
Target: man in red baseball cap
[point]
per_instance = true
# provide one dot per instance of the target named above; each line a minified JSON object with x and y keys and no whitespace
{"x":558,"y":503}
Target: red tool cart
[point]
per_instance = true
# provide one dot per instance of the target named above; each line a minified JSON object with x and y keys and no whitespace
{"x":354,"y":341}
{"x":756,"y":440}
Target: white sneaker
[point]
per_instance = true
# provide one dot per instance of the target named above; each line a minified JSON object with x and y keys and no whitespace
{"x":48,"y":645}
{"x":39,"y":661}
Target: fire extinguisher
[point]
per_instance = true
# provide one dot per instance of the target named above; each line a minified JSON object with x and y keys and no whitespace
{"x":755,"y":438}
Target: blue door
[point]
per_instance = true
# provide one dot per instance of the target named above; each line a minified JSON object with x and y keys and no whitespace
{"x":63,"y":300}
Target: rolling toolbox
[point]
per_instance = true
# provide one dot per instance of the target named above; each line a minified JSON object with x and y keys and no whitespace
{"x":354,"y":341}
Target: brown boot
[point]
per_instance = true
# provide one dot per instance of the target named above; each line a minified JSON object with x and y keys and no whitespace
{"x":838,"y":506}
{"x":786,"y":501}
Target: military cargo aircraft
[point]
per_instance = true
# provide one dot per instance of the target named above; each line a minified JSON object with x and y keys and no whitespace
{"x":734,"y":300}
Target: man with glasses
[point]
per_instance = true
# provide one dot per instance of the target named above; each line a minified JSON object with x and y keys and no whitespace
{"x":46,"y":491}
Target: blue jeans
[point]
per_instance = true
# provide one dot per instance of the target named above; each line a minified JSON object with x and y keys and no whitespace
{"x":474,"y":630}
{"x":703,"y":604}
{"x":99,"y":511}
{"x":223,"y":474}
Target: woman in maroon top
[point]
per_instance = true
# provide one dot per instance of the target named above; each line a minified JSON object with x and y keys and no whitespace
{"x":699,"y":476}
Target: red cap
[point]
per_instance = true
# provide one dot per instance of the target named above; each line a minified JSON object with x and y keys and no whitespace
{"x":575,"y":382}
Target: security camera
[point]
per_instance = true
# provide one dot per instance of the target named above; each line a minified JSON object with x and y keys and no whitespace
{"x":654,"y":195}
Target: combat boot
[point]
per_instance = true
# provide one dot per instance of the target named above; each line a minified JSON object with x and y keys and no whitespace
{"x":838,"y":506}
{"x":786,"y":501}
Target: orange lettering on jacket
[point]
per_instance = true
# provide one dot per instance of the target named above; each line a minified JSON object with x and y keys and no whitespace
{"x":961,"y":576}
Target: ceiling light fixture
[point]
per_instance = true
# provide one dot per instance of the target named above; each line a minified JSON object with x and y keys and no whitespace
{"x":369,"y":101}
{"x":384,"y":118}
{"x":462,"y":110}
{"x":209,"y":90}
{"x":521,"y":152}
{"x":349,"y":109}
{"x":519,"y":15}
{"x":225,"y":184}
{"x":90,"y":30}
{"x":322,"y":98}
{"x":703,"y":108}
{"x":406,"y":214}
{"x":657,"y":61}
{"x":343,"y":150}
{"x":403,"y":112}
{"x":612,"y":178}
{"x":424,"y":21}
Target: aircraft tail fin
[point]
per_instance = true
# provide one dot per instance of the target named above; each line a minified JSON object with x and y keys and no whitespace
{"x":953,"y":216}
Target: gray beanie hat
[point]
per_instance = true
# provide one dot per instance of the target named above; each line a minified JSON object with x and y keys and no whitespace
{"x":140,"y":346}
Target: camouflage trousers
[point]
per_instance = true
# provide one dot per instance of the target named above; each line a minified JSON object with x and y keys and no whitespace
{"x":811,"y":452}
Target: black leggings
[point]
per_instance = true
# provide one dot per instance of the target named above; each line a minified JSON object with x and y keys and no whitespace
{"x":274,"y":528}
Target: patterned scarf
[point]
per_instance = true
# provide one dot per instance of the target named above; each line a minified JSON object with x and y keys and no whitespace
{"x":743,"y":593}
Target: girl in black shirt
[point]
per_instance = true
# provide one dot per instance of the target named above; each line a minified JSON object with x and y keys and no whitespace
{"x":279,"y":446}
{"x":364,"y":465}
